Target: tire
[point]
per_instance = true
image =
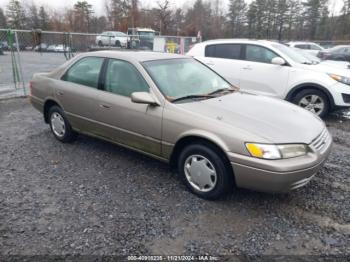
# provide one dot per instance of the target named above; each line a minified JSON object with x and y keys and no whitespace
{"x":200,"y":154}
{"x":118,"y":44}
{"x":100,"y":43}
{"x":306,"y":96}
{"x":60,"y":127}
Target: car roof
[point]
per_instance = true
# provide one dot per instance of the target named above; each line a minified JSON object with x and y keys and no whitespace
{"x":301,"y":42}
{"x":239,"y":41}
{"x":136,"y":56}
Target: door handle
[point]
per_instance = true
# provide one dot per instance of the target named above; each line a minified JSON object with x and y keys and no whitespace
{"x":105,"y":106}
{"x":247,"y":68}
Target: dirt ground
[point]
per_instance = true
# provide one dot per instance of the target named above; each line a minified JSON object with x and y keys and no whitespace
{"x":95,"y":198}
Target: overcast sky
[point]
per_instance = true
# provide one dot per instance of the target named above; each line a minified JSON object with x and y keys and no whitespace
{"x":98,"y":5}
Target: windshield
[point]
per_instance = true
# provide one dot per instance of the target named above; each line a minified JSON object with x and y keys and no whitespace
{"x":307,"y":55}
{"x":146,"y":34}
{"x":336,"y":49}
{"x":178,"y":78}
{"x":292,"y":54}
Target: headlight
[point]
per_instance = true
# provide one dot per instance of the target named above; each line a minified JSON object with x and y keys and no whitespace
{"x":276,"y":151}
{"x":341,"y":79}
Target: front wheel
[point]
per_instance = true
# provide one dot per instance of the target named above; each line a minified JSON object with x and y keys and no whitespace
{"x":314,"y":101}
{"x":204,"y":171}
{"x":60,"y":126}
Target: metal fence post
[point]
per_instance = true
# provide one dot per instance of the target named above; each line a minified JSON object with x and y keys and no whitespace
{"x":19,"y":64}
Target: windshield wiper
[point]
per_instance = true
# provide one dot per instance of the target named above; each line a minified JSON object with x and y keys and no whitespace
{"x":191,"y":97}
{"x":231,"y":90}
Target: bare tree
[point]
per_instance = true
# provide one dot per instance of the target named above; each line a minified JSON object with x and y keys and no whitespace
{"x":164,"y":14}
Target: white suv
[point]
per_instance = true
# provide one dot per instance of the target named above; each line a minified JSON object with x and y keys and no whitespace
{"x":310,"y":47}
{"x":273,"y":69}
{"x":112,"y":38}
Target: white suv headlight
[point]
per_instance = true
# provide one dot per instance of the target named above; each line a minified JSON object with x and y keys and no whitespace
{"x":341,"y":79}
{"x":272,"y":152}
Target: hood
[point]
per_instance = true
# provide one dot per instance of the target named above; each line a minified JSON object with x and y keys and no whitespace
{"x":337,"y":64}
{"x":328,"y":68}
{"x":274,"y":120}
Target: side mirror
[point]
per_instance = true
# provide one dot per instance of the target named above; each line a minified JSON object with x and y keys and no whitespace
{"x":278,"y":61}
{"x":143,"y":98}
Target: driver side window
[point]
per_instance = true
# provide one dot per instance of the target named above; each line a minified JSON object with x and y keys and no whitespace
{"x":259,"y":54}
{"x":122,"y":78}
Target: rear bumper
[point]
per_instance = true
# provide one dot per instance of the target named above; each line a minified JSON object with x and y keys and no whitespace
{"x":277,"y":175}
{"x":36,"y":103}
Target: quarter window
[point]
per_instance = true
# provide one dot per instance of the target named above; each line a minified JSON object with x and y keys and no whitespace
{"x":228,"y":51}
{"x":85,"y":72}
{"x":123,"y":78}
{"x":259,"y":54}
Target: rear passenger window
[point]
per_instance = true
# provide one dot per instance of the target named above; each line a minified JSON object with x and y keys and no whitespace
{"x":259,"y":54}
{"x":85,"y":72}
{"x":229,"y":51}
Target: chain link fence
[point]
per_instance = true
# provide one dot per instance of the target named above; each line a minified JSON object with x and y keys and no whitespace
{"x":25,"y":52}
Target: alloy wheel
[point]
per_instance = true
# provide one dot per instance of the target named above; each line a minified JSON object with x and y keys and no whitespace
{"x":313,"y":103}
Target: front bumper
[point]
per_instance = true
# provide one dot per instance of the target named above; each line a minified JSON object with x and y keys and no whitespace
{"x":279,"y":175}
{"x":340,"y":90}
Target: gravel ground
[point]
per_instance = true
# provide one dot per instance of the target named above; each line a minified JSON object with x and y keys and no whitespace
{"x":95,"y":198}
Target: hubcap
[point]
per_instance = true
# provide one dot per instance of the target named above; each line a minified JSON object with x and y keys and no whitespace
{"x":58,"y":125}
{"x":200,"y":173}
{"x":313,"y":103}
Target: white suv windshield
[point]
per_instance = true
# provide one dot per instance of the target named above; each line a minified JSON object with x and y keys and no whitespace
{"x":146,"y":34}
{"x":295,"y":56}
{"x":178,"y":78}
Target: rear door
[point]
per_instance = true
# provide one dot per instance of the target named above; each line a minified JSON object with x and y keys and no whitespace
{"x":77,"y":91}
{"x":226,"y":60}
{"x":260,"y":76}
{"x":133,"y":125}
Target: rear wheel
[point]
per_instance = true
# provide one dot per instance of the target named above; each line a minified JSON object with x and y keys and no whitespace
{"x":118,"y":44}
{"x":204,"y":171}
{"x":314,"y":101}
{"x":60,"y":126}
{"x":100,"y":43}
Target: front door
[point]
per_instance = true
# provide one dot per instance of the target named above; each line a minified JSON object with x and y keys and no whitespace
{"x":260,"y":76}
{"x":134,"y":125}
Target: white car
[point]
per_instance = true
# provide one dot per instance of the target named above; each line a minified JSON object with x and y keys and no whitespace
{"x":272,"y":69}
{"x":61,"y":49}
{"x":310,"y":47}
{"x":112,"y":38}
{"x":316,"y":60}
